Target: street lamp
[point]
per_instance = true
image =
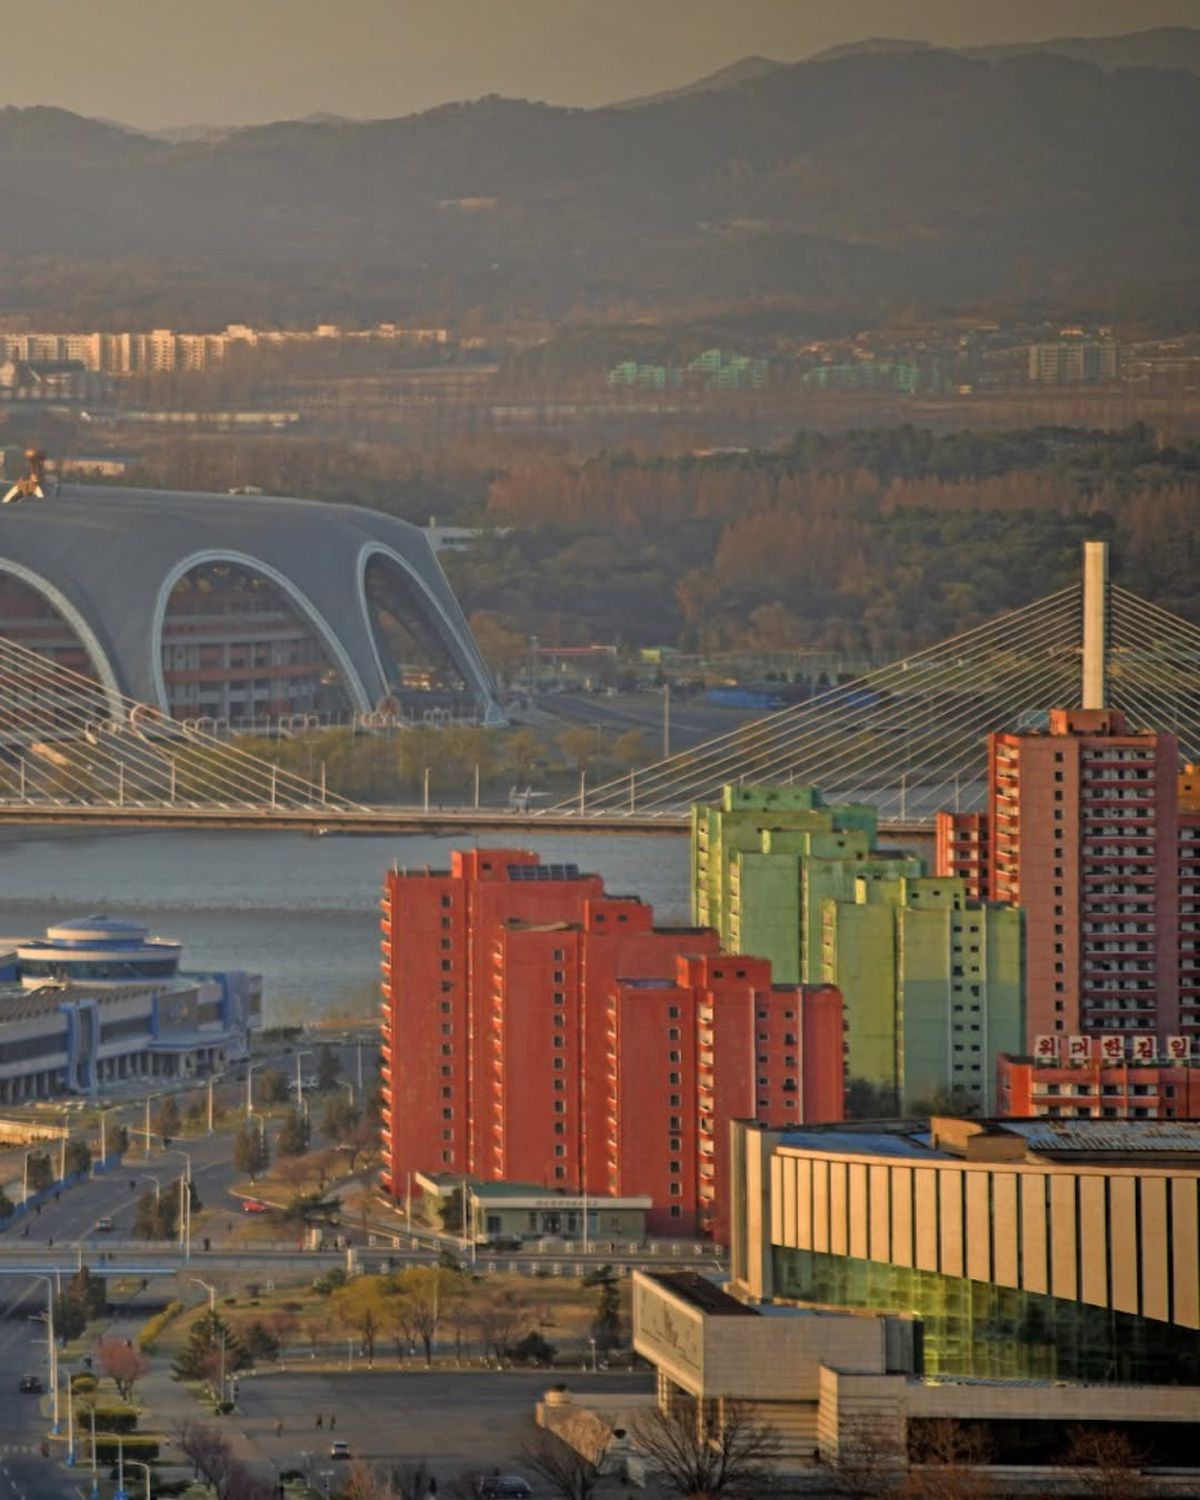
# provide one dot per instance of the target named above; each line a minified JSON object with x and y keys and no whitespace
{"x":150,"y":1177}
{"x":349,"y":1087}
{"x":136,"y":1463}
{"x":210,"y":1289}
{"x":70,"y":1422}
{"x":592,"y":1342}
{"x":212,"y":1078}
{"x":250,"y":1067}
{"x":185,"y":1202}
{"x":95,"y":1495}
{"x":300,"y":1080}
{"x":51,"y":1346}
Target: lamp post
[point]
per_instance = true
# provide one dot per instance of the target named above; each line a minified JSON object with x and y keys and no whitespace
{"x":349,"y":1087}
{"x":250,"y":1067}
{"x":210,"y":1289}
{"x":136,"y":1463}
{"x":95,"y":1495}
{"x":300,"y":1080}
{"x":121,"y":1492}
{"x":70,"y":1423}
{"x":592,"y":1342}
{"x":150,"y":1177}
{"x":52,"y":1347}
{"x":212,"y":1078}
{"x":185,"y":1202}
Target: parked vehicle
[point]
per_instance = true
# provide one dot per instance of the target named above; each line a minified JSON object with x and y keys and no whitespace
{"x":504,"y":1487}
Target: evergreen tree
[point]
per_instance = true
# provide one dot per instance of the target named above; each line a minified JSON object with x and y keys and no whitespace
{"x":273,"y":1087}
{"x":77,"y":1157}
{"x":339,"y":1117}
{"x":329,"y":1069}
{"x":294,"y":1135}
{"x":201,"y":1356}
{"x":251,"y":1150}
{"x":606,"y":1325}
{"x":39,"y":1171}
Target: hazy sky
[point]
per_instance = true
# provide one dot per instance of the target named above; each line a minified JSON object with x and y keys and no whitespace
{"x":176,"y":62}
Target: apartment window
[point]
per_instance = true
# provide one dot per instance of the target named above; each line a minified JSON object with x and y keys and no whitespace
{"x":446,"y":987}
{"x":677,"y":1190}
{"x":445,"y":966}
{"x":448,"y":1113}
{"x":559,"y":1083}
{"x":447,"y":1028}
{"x":672,"y":1077}
{"x":675,"y":1123}
{"x":445,"y":945}
{"x":673,"y":1033}
{"x":560,"y":1041}
{"x":560,"y":1150}
{"x":447,"y":1093}
{"x":560,"y":1062}
{"x":559,"y":998}
{"x":446,"y":1070}
{"x":674,"y":1102}
{"x":676,"y":1211}
{"x":447,"y":1156}
{"x":559,"y":976}
{"x":445,"y":924}
{"x":673,"y":1166}
{"x":560,"y":1127}
{"x":447,"y":1050}
{"x":672,"y":1056}
{"x":560,"y":1106}
{"x":560,"y":1172}
{"x":445,"y":1007}
{"x":446,"y":901}
{"x":673,"y":1012}
{"x":558,"y":955}
{"x":560,"y":1020}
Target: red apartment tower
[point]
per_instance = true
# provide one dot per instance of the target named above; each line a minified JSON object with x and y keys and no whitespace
{"x":537,"y":1029}
{"x":1084,"y":829}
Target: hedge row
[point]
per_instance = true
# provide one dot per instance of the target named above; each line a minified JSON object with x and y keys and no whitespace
{"x":155,"y":1325}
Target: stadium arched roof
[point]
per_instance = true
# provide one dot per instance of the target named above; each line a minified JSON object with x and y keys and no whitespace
{"x":107,"y":559}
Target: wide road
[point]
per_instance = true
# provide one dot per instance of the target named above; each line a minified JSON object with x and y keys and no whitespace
{"x":24,"y":1473}
{"x":458,"y":1421}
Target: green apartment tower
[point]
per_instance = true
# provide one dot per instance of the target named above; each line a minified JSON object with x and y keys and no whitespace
{"x":932,"y":983}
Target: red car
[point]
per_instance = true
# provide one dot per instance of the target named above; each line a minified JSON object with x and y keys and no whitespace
{"x":254,"y":1206}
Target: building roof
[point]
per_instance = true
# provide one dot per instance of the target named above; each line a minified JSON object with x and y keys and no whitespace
{"x":107,"y":558}
{"x":1053,"y":1139}
{"x":703,"y":1294}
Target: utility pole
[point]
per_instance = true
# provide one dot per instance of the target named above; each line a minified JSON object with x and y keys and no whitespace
{"x":666,"y":743}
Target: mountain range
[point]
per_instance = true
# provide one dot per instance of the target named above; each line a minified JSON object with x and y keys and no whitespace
{"x":868,"y":181}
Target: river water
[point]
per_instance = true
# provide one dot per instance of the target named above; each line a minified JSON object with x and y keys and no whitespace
{"x":303,"y":912}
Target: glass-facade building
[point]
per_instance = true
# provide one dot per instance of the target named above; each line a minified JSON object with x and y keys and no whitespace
{"x":1031,"y":1249}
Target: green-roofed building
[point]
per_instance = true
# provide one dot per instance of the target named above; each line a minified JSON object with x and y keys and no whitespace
{"x":932,"y":985}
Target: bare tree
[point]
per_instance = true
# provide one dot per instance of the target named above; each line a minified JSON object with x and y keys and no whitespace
{"x":500,"y":1317}
{"x":1106,"y":1464}
{"x":573,"y":1463}
{"x":951,"y":1458}
{"x":870,"y":1460}
{"x":411,"y":1481}
{"x":729,"y":1457}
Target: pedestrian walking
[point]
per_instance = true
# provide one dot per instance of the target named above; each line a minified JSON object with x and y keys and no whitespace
{"x":332,"y":1422}
{"x":319,"y":1423}
{"x":279,"y":1428}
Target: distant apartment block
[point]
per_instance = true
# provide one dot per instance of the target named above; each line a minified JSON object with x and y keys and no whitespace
{"x":165,"y":351}
{"x":539,"y":1030}
{"x":1074,"y":362}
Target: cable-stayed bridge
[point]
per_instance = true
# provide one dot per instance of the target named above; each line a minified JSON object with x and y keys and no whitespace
{"x":909,"y":737}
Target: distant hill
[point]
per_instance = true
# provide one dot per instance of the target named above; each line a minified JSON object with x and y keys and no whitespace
{"x":869,"y":182}
{"x":745,"y":70}
{"x":1160,"y":47}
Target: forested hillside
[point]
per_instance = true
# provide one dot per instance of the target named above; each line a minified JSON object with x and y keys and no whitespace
{"x":866,"y":182}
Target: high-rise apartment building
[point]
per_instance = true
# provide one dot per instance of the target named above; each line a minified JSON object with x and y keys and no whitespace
{"x":932,"y":984}
{"x":930,"y":976}
{"x":537,"y":1029}
{"x":1085,"y":836}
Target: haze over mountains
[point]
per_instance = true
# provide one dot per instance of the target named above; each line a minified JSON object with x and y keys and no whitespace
{"x":863,"y":182}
